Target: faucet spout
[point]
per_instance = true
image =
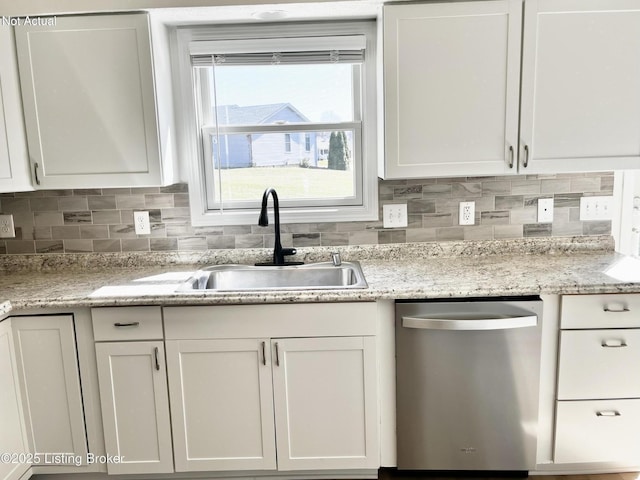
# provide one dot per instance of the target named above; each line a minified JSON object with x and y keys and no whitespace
{"x":278,"y":252}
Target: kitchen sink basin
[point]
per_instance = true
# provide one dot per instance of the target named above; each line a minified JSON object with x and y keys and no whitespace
{"x":312,"y":276}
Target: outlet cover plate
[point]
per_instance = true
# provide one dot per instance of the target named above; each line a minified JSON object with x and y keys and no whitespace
{"x":7,"y":229}
{"x":467,"y":214}
{"x":141,"y":222}
{"x":545,"y":210}
{"x":394,"y":215}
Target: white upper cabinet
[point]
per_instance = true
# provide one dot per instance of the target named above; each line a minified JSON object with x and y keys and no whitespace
{"x":451,"y":83}
{"x":14,"y":160}
{"x":452,"y":87}
{"x":580,"y":78}
{"x":90,"y":104}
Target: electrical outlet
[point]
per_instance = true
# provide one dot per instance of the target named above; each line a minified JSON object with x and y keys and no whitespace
{"x":394,"y":215}
{"x":467,"y":213}
{"x":7,"y":229}
{"x":141,"y":222}
{"x":545,"y":210}
{"x":596,"y":208}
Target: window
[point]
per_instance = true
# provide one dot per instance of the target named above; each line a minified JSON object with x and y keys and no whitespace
{"x":285,"y":106}
{"x":287,"y":143}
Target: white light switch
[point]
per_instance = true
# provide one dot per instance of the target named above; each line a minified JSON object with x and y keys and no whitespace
{"x":394,"y":215}
{"x":596,"y":208}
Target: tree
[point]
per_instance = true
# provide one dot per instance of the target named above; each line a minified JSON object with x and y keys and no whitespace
{"x":339,"y":154}
{"x":332,"y":158}
{"x":347,"y":153}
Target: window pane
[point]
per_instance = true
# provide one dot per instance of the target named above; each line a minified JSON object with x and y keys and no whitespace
{"x":268,"y":94}
{"x":249,"y":163}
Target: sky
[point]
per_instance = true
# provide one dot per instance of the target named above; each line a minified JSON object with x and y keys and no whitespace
{"x":321,"y":92}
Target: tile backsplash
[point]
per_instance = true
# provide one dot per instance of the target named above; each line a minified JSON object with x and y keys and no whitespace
{"x":101,"y":220}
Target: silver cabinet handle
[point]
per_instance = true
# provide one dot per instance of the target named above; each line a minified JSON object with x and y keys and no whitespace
{"x":616,"y":310}
{"x":264,"y":353}
{"x":608,"y":413}
{"x":156,"y":352}
{"x":277,"y":355}
{"x":122,"y":325}
{"x":465,"y":324}
{"x":511,"y":155}
{"x":35,"y":171}
{"x":614,"y":343}
{"x":525,"y":162}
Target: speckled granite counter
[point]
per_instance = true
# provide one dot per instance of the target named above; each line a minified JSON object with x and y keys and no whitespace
{"x":456,"y":269}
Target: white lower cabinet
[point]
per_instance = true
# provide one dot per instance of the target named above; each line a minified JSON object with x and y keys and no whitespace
{"x":133,"y":389}
{"x":222,"y":404}
{"x":50,"y":381}
{"x":13,"y":438}
{"x":325,"y":395}
{"x":598,"y":431}
{"x":135,"y":408}
{"x":598,"y":395}
{"x":251,"y":388}
{"x":299,"y":394}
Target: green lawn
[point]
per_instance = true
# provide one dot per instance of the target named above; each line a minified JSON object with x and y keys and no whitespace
{"x":290,"y":182}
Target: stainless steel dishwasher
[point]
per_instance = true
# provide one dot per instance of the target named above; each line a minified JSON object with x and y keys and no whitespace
{"x":467,"y":377}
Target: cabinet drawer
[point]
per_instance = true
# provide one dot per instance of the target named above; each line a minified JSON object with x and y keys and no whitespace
{"x":598,"y":431}
{"x":600,"y":311}
{"x":127,"y":323}
{"x":597,"y":364}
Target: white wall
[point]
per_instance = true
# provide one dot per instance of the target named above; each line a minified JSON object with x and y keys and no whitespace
{"x":627,"y":217}
{"x":52,"y":7}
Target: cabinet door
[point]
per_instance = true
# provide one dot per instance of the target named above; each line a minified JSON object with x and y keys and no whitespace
{"x":14,"y":161}
{"x":451,"y":87}
{"x":13,"y":439}
{"x":135,"y":407}
{"x":580,"y":77}
{"x":325,"y":403}
{"x":221,"y":404}
{"x":88,"y":94}
{"x":48,"y":369}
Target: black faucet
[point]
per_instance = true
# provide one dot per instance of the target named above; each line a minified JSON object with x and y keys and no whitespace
{"x":278,"y":252}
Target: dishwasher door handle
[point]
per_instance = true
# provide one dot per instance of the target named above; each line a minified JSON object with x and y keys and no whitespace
{"x":501,"y":323}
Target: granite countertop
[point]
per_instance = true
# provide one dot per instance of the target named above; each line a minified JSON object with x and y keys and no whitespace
{"x":456,"y":269}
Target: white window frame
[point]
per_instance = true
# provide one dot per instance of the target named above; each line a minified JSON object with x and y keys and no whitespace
{"x":190,"y":140}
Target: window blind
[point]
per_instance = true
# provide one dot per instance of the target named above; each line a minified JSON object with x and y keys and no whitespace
{"x":298,"y":50}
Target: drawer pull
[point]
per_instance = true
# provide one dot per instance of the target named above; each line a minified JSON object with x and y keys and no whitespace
{"x":614,"y":343}
{"x":608,"y":413}
{"x":121,"y":325}
{"x":616,"y":310}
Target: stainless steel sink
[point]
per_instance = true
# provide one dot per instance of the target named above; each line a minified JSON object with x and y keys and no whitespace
{"x":311,"y":276}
